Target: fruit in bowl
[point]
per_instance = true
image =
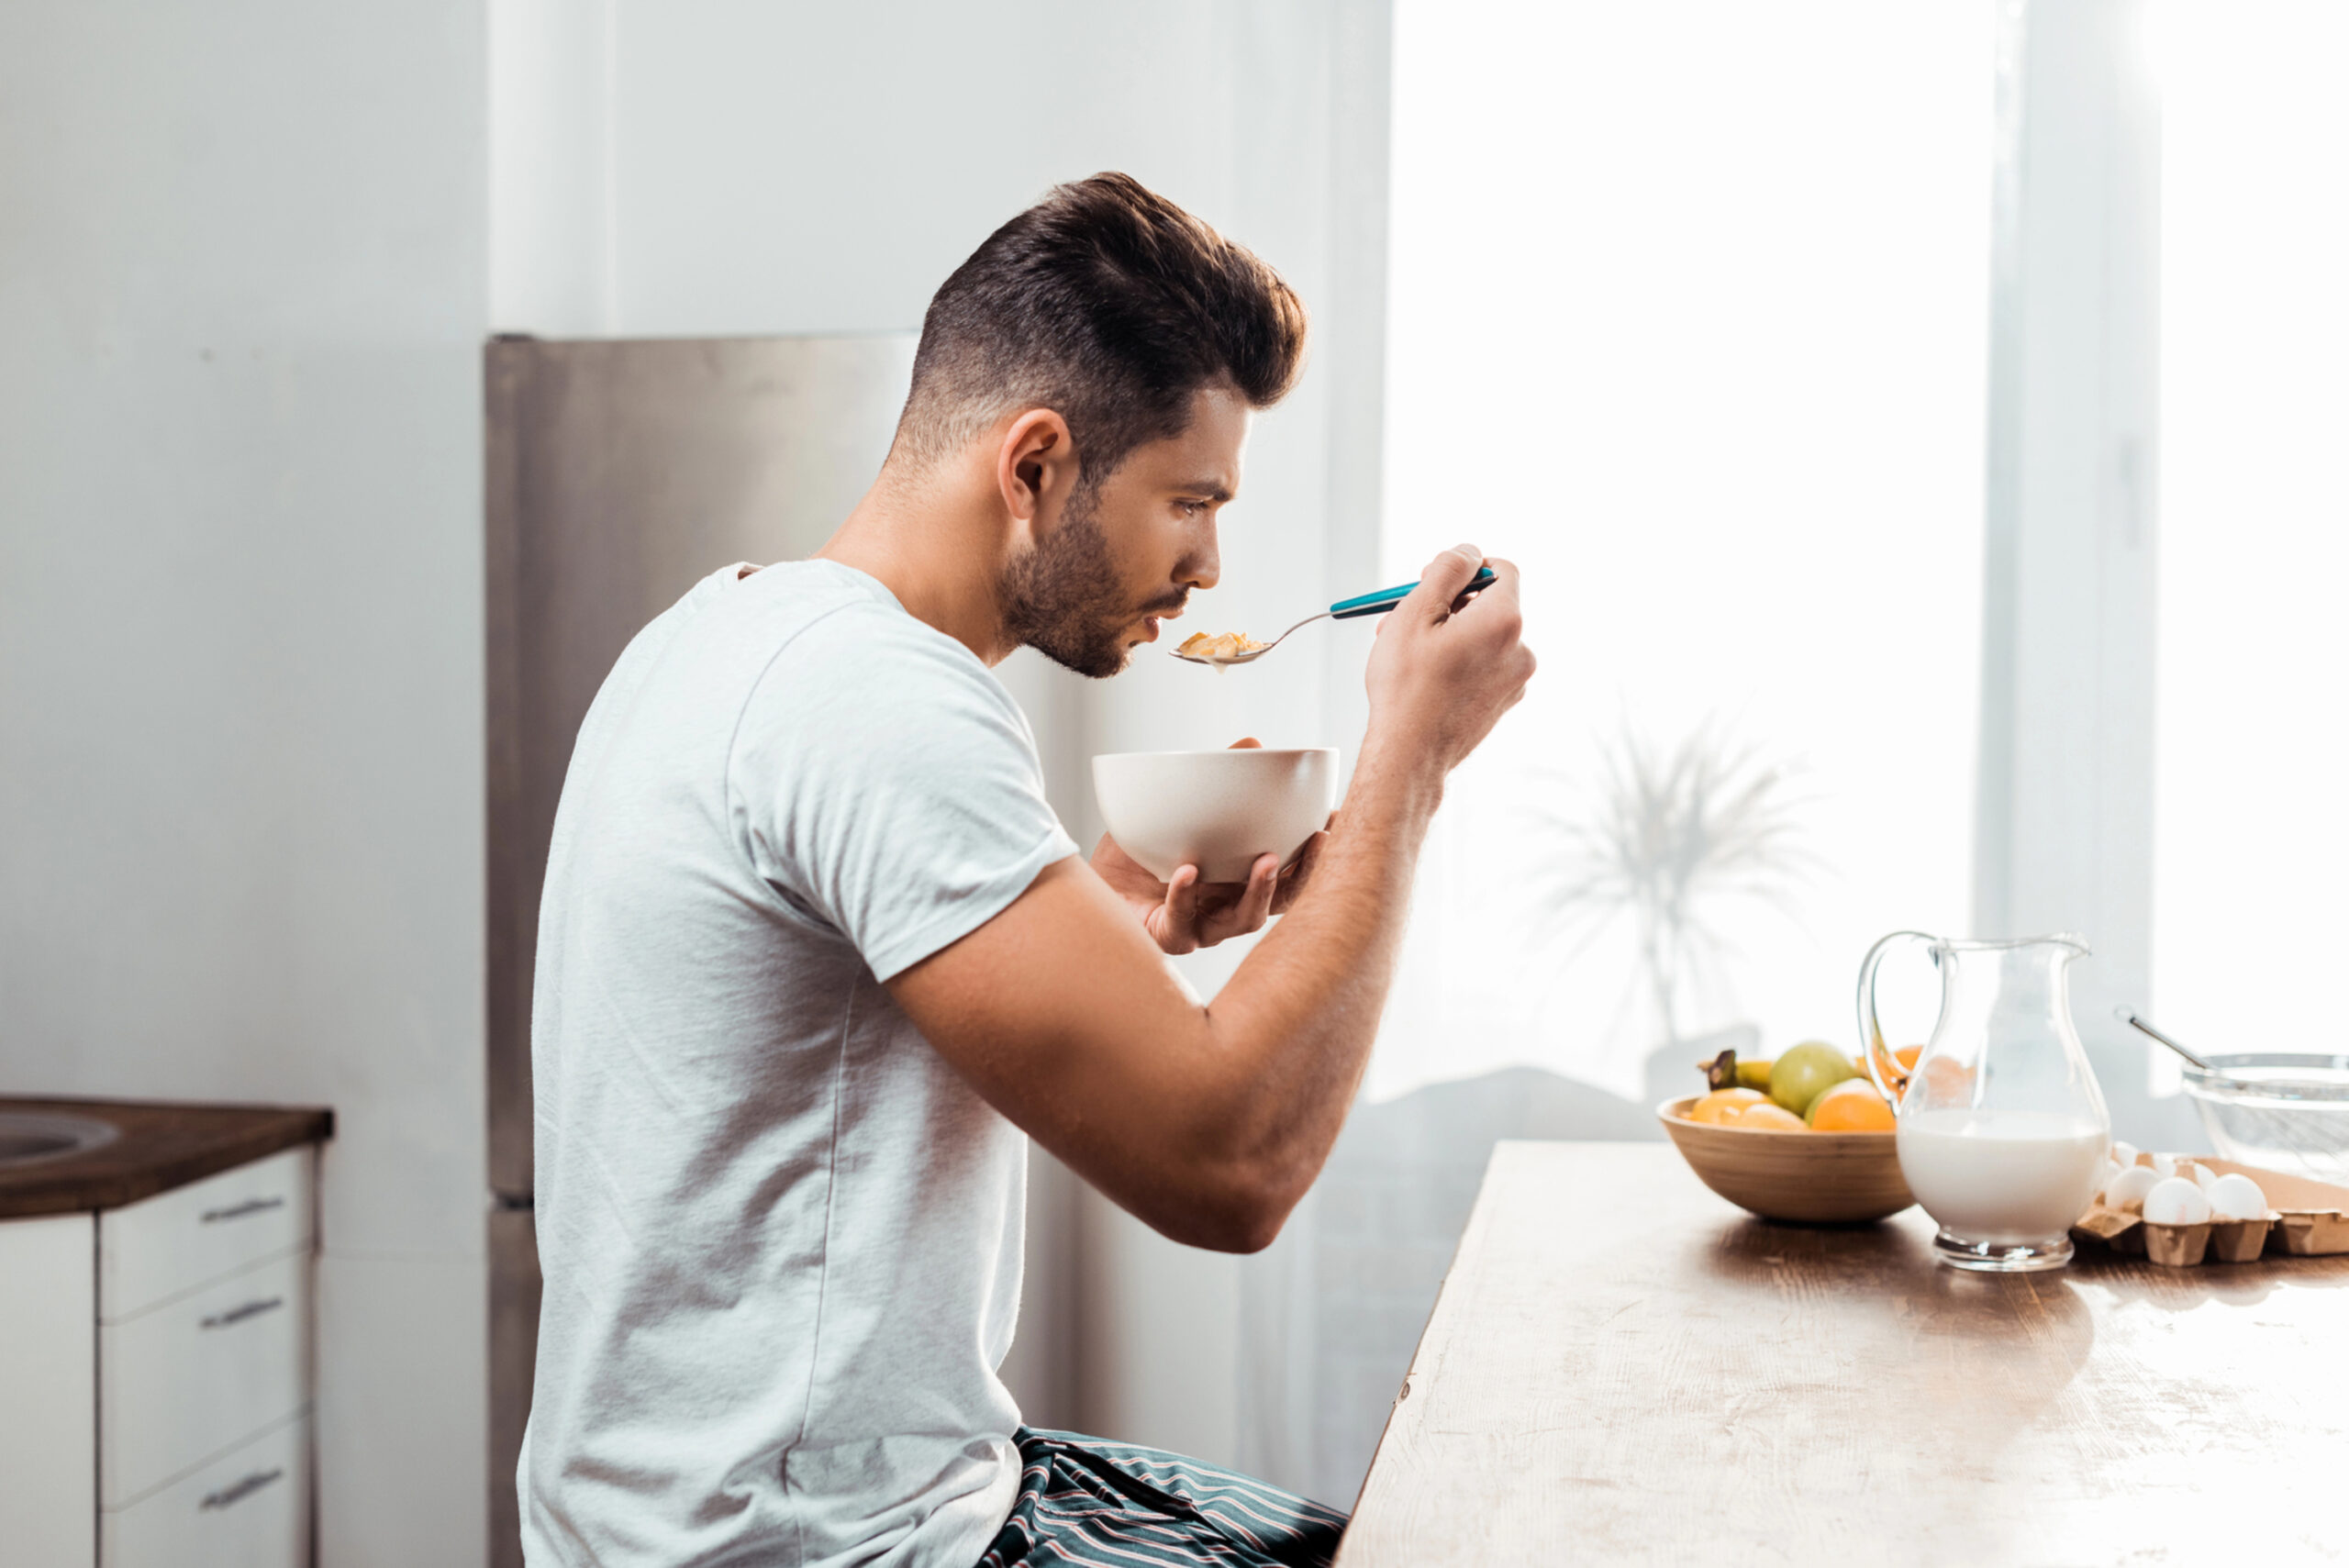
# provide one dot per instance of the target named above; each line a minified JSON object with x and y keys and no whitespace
{"x":1744,"y":1108}
{"x":1806,"y":1077}
{"x":1216,"y":810}
{"x":1812,"y":1141}
{"x":1852,"y":1106}
{"x":1725,"y":1105}
{"x":1806,"y":1071}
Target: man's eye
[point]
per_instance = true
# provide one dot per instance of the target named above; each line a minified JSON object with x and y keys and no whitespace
{"x":1192,"y":508}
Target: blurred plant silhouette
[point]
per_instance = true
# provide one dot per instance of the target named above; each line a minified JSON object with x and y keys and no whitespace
{"x":1670,"y":839}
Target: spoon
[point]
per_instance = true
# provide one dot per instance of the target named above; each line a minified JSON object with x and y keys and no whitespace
{"x":2141,"y":1027}
{"x":1377,"y":604}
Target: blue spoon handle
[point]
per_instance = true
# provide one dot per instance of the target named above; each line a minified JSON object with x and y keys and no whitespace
{"x":1386,"y":599}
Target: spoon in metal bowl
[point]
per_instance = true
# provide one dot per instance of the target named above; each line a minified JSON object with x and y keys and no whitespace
{"x":2141,"y":1027}
{"x":1377,"y":604}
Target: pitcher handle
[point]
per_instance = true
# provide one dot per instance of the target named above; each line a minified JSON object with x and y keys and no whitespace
{"x":1882,"y":1065}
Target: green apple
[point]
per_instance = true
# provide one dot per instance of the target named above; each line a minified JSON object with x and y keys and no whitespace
{"x":1805,"y":1071}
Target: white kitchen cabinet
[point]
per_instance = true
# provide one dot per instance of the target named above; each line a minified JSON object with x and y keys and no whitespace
{"x":177,"y":1241}
{"x":198,"y":1374}
{"x":49,"y":1335}
{"x":247,"y":1508}
{"x":155,"y":1377}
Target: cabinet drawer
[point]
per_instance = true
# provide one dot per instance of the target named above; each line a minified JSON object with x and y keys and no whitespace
{"x":176,"y":1241}
{"x":250,"y":1508}
{"x":199,"y":1373}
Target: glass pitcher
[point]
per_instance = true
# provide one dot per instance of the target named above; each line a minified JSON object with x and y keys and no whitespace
{"x":2001,"y":1130}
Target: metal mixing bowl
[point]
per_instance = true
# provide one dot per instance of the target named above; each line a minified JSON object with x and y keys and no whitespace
{"x":2281,"y":1110}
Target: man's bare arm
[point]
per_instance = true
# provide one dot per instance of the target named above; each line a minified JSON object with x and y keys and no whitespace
{"x":1209,"y":1122}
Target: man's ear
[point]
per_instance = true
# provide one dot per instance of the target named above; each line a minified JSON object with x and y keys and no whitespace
{"x":1035,"y":470}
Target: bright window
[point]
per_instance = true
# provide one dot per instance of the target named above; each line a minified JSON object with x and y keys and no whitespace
{"x":2252,"y":839}
{"x":1689,"y":318}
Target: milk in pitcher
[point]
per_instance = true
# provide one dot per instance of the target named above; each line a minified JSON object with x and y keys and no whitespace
{"x":2003,"y":1177}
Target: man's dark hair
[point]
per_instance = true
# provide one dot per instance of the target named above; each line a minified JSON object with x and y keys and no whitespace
{"x":1110,"y":305}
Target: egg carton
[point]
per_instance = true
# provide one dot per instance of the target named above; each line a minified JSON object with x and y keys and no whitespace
{"x":2305,"y":1219}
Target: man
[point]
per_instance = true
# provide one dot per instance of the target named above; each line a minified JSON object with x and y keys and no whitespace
{"x":814,"y":953}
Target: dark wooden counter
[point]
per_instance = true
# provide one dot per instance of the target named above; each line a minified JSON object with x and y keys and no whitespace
{"x":1622,"y":1368}
{"x":162,"y":1145}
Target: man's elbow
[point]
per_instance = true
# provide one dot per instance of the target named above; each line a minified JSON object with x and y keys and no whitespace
{"x":1246,"y":1233}
{"x":1243,"y":1217}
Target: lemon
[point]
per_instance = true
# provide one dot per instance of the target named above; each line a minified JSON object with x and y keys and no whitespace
{"x":1767,"y":1117}
{"x":1722,"y":1105}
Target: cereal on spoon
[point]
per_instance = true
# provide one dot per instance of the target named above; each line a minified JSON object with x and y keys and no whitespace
{"x":1225,"y":645}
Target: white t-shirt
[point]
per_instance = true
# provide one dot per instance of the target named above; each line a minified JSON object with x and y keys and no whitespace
{"x":781,"y":1236}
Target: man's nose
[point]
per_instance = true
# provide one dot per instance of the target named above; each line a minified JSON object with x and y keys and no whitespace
{"x":1204,"y":565}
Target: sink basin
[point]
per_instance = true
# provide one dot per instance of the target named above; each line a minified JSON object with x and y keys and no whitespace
{"x":26,"y":1138}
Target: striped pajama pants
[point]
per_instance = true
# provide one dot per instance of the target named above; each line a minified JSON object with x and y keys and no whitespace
{"x":1109,"y":1504}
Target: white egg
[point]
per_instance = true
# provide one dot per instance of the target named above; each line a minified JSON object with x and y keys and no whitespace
{"x":2111,"y":1174}
{"x":2238,"y":1197}
{"x":2165,"y":1166}
{"x":2123,"y":1154}
{"x":2205,"y":1177}
{"x":2175,"y":1201}
{"x":2128,"y":1190}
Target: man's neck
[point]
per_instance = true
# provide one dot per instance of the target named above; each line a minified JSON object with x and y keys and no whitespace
{"x":938,"y":543}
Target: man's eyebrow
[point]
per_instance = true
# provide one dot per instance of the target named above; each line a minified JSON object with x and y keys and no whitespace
{"x":1212,"y":489}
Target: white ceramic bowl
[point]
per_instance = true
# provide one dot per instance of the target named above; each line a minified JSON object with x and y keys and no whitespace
{"x":1216,"y":810}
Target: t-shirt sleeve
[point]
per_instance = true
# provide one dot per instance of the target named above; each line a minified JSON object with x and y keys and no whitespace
{"x":886,"y":784}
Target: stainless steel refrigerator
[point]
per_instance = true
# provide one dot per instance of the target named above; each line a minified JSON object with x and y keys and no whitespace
{"x":619,"y":472}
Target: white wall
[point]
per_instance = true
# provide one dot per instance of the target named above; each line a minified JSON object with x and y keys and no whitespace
{"x":242,"y":294}
{"x":698,"y":167}
{"x":245,"y":269}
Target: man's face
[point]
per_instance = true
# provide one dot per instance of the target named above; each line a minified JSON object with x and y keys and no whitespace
{"x":1126,"y":552}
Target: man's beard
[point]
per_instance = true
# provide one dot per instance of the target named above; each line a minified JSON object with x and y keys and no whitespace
{"x":1062,"y":598}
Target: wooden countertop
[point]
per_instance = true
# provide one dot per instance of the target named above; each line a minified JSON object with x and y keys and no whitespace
{"x":1624,"y":1368}
{"x":162,"y":1145}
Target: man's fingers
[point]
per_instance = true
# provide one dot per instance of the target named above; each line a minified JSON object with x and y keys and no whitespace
{"x":1443,"y":558}
{"x":1441,"y":584}
{"x":1503,"y":589}
{"x":1248,"y":907}
{"x":1183,"y":899}
{"x":1291,"y":881}
{"x":1256,"y":904}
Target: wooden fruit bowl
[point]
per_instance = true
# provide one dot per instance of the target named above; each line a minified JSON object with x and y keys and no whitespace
{"x":1813,"y":1178}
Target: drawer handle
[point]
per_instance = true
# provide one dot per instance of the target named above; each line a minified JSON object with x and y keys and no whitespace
{"x":238,"y":1210}
{"x":238,"y":1314}
{"x":228,"y":1496}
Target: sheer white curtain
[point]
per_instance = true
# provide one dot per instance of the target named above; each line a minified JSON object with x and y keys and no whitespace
{"x":1688,"y":315}
{"x":2251,"y":845}
{"x":1691,"y":307}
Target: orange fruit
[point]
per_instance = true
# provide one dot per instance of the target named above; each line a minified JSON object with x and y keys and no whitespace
{"x":1767,"y":1117}
{"x":1951,"y":1081}
{"x":1907,"y":1056}
{"x":1852,"y":1106}
{"x":1723,"y":1104}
